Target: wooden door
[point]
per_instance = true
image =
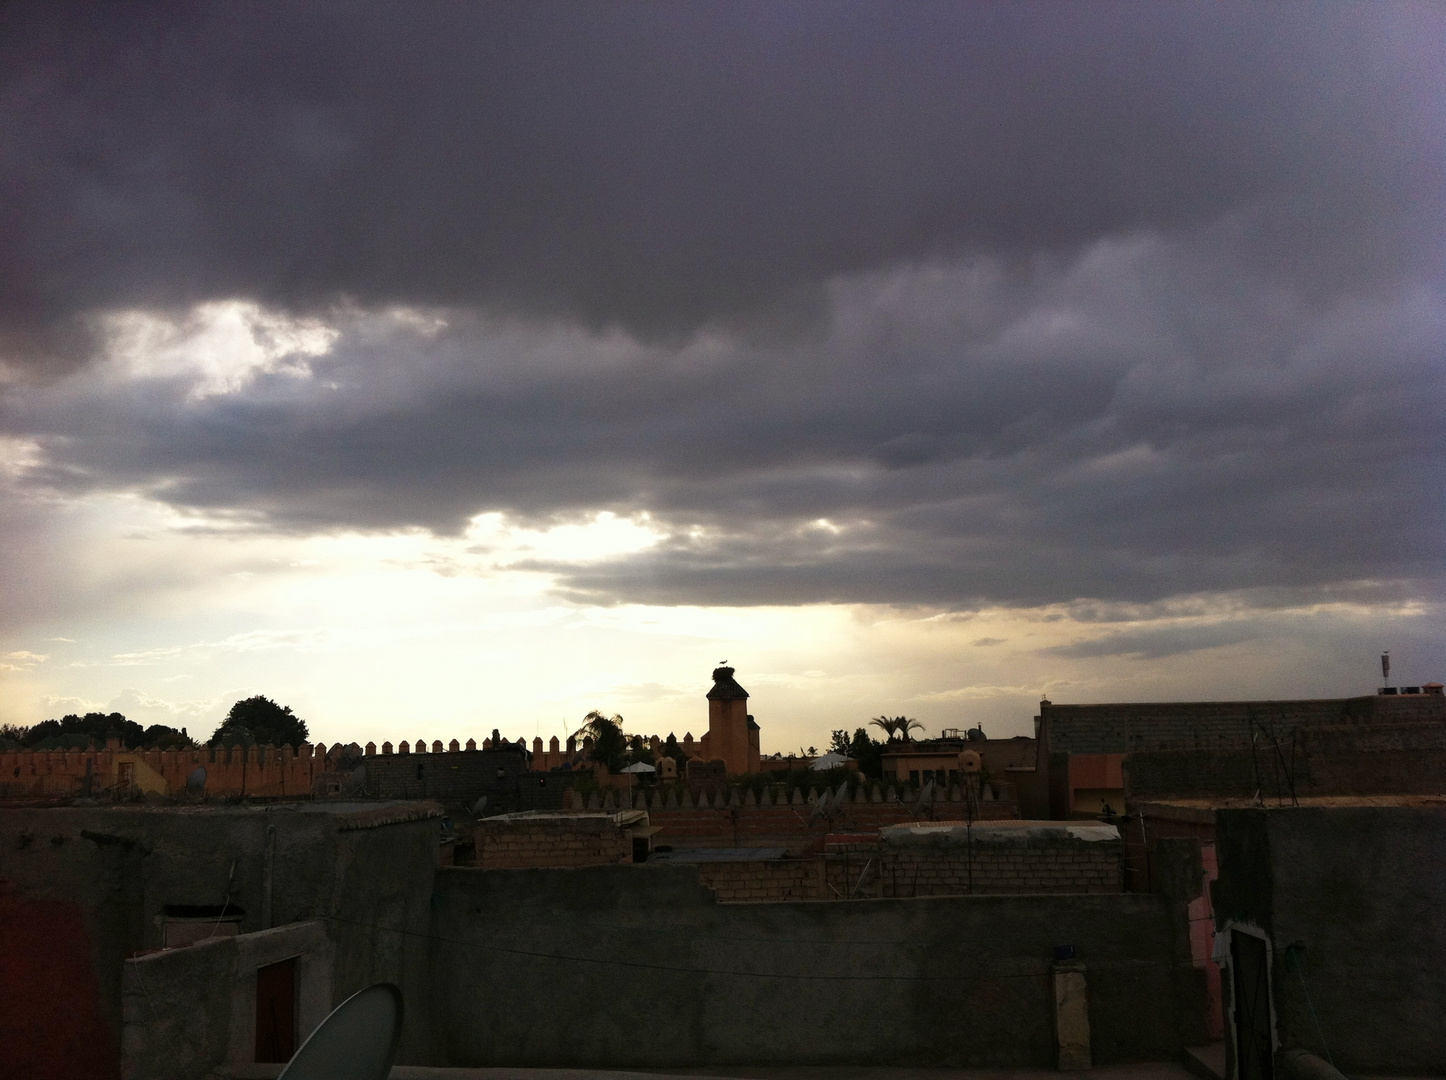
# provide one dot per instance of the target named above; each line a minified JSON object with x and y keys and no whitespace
{"x":276,"y":1011}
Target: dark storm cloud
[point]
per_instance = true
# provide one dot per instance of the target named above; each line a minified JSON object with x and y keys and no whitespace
{"x":985,"y":304}
{"x":660,"y":167}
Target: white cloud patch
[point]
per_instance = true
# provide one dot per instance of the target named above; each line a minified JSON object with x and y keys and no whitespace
{"x":217,"y":348}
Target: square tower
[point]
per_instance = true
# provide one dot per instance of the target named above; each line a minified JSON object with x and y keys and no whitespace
{"x":732,"y":734}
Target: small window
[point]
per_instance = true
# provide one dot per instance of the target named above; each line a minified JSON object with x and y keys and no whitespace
{"x":913,"y":776}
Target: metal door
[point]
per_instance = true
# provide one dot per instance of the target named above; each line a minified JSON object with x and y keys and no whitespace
{"x":1250,"y":982}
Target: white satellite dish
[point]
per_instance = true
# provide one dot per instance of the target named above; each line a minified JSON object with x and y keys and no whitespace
{"x":196,"y":782}
{"x":926,"y":796}
{"x":355,"y":782}
{"x":356,"y":1042}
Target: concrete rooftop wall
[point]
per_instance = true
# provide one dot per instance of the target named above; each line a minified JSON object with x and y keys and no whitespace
{"x":1216,"y":725}
{"x":1363,"y":891}
{"x":111,"y":871}
{"x":639,"y":966}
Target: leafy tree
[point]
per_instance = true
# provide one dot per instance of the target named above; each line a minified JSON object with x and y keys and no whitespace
{"x":259,"y":721}
{"x":861,"y":748}
{"x":868,"y":753}
{"x":163,"y":737}
{"x":76,"y":732}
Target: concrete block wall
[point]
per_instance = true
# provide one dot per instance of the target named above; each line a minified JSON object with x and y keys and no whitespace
{"x":1335,"y":760}
{"x":765,"y":880}
{"x":552,"y":842}
{"x":928,"y":861}
{"x":1218,"y":725}
{"x":785,"y":819}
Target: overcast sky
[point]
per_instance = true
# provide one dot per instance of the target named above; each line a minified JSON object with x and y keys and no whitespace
{"x":441,"y":367}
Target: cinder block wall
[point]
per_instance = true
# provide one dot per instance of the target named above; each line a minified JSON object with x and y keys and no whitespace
{"x":765,"y":880}
{"x":953,"y":862}
{"x":1219,"y":725}
{"x":555,"y":842}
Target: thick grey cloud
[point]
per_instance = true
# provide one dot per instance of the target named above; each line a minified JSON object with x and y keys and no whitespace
{"x":995,"y":303}
{"x":660,"y":167}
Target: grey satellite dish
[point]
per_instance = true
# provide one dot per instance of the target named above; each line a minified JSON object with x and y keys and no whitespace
{"x":356,"y":1042}
{"x":356,"y":781}
{"x":196,"y":782}
{"x":479,"y":806}
{"x":926,"y":796}
{"x":819,"y":808}
{"x":843,"y":794}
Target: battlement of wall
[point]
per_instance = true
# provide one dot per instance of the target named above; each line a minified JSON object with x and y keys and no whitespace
{"x":260,"y":771}
{"x":1219,"y":725}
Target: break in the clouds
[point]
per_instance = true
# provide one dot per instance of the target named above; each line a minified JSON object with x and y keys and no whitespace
{"x":942,"y":305}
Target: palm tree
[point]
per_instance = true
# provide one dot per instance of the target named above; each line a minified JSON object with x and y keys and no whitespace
{"x":896,"y":727}
{"x":609,"y":744}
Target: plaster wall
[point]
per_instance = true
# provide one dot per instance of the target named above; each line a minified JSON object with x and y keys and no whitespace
{"x":189,"y":1010}
{"x":117,"y":868}
{"x":641,"y":967}
{"x":1361,"y":890}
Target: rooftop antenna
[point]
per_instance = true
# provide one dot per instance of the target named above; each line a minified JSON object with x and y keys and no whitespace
{"x":1386,"y":666}
{"x":356,"y":1042}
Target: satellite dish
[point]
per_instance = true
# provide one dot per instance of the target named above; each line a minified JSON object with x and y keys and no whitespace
{"x":356,"y":781}
{"x":926,"y":796}
{"x":479,"y":806}
{"x":356,"y":1042}
{"x":843,"y":793}
{"x":196,"y":782}
{"x":819,"y":808}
